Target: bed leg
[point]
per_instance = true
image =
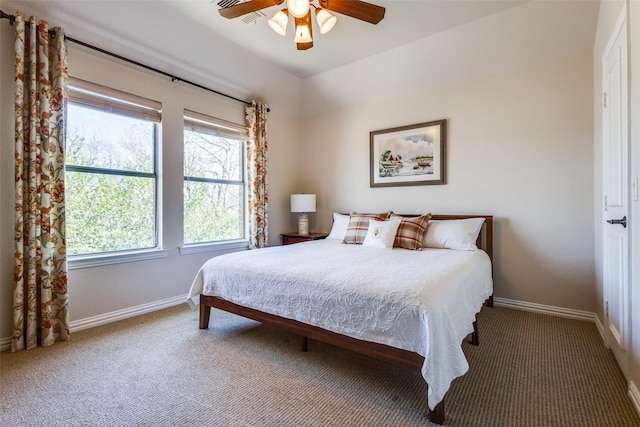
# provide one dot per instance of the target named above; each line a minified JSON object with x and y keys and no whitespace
{"x":205,"y":313}
{"x":437,"y":415}
{"x":475,"y":338}
{"x":305,"y":343}
{"x":489,"y":301}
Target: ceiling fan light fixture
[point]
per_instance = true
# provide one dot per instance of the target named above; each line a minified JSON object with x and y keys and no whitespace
{"x":303,"y":34}
{"x":301,"y":12}
{"x":326,"y":21}
{"x":279,"y":22}
{"x":298,"y":8}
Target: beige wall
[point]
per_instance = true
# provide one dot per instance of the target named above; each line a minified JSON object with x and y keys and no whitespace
{"x":520,"y":147}
{"x":120,"y":287}
{"x":529,"y":33}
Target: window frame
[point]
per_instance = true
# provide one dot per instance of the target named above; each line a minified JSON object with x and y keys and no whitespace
{"x":90,"y":95}
{"x":208,"y":125}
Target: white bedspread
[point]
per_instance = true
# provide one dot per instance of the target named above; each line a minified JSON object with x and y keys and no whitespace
{"x":421,"y":301}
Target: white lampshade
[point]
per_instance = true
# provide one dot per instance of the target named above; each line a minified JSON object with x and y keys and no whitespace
{"x":303,"y":203}
{"x":303,"y":34}
{"x":279,"y":22}
{"x":326,"y":21}
{"x":298,"y":8}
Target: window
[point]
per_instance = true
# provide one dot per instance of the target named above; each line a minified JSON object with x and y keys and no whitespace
{"x":214,"y":189}
{"x":111,"y":177}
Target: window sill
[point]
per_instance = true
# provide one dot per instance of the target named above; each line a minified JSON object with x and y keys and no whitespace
{"x":215,"y":247}
{"x":96,"y":260}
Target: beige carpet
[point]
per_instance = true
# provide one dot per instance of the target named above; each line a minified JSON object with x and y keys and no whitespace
{"x":161,"y":370}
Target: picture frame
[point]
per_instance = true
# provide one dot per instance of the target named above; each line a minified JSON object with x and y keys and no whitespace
{"x":409,"y":155}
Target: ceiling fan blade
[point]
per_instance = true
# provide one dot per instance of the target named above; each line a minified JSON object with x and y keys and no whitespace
{"x":356,"y":9}
{"x":247,"y":7}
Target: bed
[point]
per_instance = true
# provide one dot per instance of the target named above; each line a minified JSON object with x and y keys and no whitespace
{"x":411,"y":308}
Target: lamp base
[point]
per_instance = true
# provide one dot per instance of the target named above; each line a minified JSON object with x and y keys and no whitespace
{"x":303,"y":224}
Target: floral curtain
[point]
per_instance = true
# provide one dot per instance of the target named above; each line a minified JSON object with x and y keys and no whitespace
{"x":258,"y":200}
{"x":40,"y":298}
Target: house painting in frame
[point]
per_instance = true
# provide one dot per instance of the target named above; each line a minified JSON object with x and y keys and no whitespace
{"x":408,"y":155}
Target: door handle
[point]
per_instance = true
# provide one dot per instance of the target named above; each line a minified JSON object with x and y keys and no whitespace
{"x":622,"y":221}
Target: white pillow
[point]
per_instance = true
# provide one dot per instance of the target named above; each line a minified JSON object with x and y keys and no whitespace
{"x":381,"y":234}
{"x":459,"y":234}
{"x":339,"y":227}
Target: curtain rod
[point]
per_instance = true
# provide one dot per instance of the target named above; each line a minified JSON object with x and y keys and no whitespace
{"x":173,"y":78}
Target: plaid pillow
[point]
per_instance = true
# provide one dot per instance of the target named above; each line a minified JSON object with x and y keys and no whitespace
{"x":411,"y":232}
{"x":358,"y":226}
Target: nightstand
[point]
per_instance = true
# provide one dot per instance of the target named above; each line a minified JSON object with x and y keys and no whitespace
{"x":291,"y":238}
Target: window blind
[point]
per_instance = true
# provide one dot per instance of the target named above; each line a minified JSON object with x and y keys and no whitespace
{"x":104,"y":98}
{"x":217,"y":127}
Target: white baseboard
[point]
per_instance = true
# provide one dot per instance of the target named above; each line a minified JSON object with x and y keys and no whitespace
{"x":5,"y":344}
{"x":114,"y":316}
{"x":599,"y":325}
{"x":634,"y":394}
{"x":548,"y":309}
{"x":552,"y":310}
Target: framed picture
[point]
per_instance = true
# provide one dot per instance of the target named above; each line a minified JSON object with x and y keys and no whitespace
{"x":409,"y":155}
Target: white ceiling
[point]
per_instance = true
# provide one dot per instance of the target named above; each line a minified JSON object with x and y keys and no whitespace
{"x":350,"y":40}
{"x":190,"y":39}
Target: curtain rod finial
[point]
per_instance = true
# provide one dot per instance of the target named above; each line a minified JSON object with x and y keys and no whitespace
{"x":11,"y":18}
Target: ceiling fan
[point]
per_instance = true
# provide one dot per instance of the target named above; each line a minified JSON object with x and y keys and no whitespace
{"x":301,"y":11}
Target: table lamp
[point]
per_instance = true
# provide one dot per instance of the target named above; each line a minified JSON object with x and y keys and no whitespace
{"x":303,"y":204}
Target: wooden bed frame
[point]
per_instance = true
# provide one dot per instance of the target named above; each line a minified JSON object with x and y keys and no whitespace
{"x":396,"y":356}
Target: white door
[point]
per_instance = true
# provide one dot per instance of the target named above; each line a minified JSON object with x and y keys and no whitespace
{"x":615,"y":153}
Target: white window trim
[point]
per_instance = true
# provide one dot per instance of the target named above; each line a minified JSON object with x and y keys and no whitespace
{"x":75,"y":262}
{"x":221,"y":246}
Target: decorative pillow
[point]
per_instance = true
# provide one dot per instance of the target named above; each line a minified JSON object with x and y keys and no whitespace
{"x":411,"y":231}
{"x":381,"y":234}
{"x":359,"y":225}
{"x":460,"y":234}
{"x":339,"y":227}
